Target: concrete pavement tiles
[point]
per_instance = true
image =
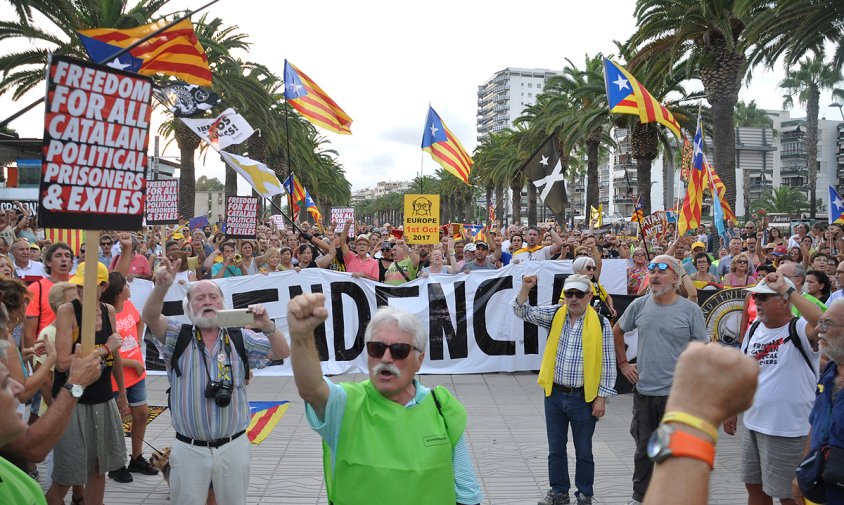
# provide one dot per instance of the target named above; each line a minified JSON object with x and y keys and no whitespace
{"x":506,"y":434}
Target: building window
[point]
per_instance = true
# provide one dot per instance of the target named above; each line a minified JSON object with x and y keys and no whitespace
{"x":530,"y":95}
{"x":530,"y":85}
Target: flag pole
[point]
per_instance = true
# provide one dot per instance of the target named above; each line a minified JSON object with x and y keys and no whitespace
{"x":114,"y":56}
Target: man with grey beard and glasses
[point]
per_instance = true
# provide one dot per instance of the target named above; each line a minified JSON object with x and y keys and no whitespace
{"x":207,"y":367}
{"x":667,"y":323}
{"x":388,"y":439}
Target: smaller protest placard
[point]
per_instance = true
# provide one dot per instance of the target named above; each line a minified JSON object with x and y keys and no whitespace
{"x":655,"y":225}
{"x":278,"y":221}
{"x":241,"y":216}
{"x":31,"y":205}
{"x":339,"y":216}
{"x":422,"y":219}
{"x":162,"y":204}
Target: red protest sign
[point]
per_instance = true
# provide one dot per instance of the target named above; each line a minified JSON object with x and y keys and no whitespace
{"x":241,"y":216}
{"x":162,"y":202}
{"x":655,"y":225}
{"x":94,"y":156}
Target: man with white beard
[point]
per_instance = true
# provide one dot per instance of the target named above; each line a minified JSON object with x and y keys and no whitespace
{"x":667,"y":323}
{"x":207,"y":367}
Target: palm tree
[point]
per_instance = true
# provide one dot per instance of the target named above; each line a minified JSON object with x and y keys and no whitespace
{"x":711,"y":35}
{"x":784,"y":199}
{"x":22,"y":71}
{"x":807,"y":82}
{"x":750,"y":116}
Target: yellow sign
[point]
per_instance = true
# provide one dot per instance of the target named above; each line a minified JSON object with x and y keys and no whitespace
{"x":422,"y":219}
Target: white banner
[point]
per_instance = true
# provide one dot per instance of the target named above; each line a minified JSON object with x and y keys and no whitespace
{"x":468,"y":317}
{"x":222,"y":131}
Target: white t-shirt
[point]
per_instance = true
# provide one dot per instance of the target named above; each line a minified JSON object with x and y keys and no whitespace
{"x":32,"y":270}
{"x":786,"y":390}
{"x":540,"y":255}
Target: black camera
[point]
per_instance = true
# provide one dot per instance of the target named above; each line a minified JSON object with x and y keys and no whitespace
{"x":220,"y":391}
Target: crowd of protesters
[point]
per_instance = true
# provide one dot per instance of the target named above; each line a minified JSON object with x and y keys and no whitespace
{"x":41,"y":287}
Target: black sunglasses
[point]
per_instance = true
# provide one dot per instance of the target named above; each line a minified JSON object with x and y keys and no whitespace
{"x":397,"y":351}
{"x":574,"y":294}
{"x":763,"y":297}
{"x":661,"y":266}
{"x":106,"y":243}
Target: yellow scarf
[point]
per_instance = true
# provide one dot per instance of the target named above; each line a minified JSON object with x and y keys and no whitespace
{"x":599,"y":291}
{"x":528,"y":249}
{"x":593,"y":341}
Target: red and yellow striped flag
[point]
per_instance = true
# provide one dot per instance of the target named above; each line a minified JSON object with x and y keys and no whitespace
{"x":175,"y":51}
{"x":313,"y":103}
{"x":626,"y":95}
{"x":265,"y":416}
{"x":73,"y":238}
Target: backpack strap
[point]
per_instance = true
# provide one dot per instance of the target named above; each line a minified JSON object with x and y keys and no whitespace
{"x":182,"y":342}
{"x":184,"y":339}
{"x":795,"y":339}
{"x":750,"y":334}
{"x":236,"y":336}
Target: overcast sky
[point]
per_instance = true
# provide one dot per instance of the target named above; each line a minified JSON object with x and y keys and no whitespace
{"x":384,"y":62}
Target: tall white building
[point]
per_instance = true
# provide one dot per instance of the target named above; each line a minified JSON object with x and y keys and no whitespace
{"x":503,"y":97}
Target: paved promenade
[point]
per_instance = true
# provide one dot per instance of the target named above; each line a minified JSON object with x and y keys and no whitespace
{"x":506,"y":434}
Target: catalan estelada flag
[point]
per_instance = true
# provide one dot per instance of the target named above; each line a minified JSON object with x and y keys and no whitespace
{"x":443,"y":146}
{"x":475,"y":232}
{"x":690,"y":212}
{"x":638,"y":211}
{"x":712,"y":181}
{"x":310,"y":100}
{"x":175,"y":51}
{"x":626,"y":95}
{"x":265,"y":416}
{"x":836,"y":206}
{"x":301,"y":199}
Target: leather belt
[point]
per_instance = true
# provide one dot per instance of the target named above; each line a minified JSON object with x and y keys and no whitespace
{"x":208,"y":443}
{"x":567,"y":389}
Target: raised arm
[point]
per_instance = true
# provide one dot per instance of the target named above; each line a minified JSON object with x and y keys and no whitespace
{"x":126,"y":252}
{"x":325,"y":260}
{"x":556,"y":239}
{"x":151,"y":316}
{"x":344,"y":238}
{"x":304,"y":313}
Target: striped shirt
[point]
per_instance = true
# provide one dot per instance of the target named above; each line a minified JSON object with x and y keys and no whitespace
{"x":568,"y":370}
{"x":192,"y":414}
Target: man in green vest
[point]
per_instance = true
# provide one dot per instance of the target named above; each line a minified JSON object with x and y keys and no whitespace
{"x":389,"y":439}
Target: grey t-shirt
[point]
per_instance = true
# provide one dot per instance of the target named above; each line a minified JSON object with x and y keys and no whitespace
{"x":664,"y":332}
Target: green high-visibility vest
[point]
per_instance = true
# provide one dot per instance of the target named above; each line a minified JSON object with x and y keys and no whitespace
{"x":388,"y":453}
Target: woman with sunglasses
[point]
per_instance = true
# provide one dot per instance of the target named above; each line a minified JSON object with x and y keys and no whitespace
{"x":739,"y":275}
{"x":601,"y":300}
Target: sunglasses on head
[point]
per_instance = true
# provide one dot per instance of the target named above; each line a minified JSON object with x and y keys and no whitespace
{"x":397,"y":351}
{"x":661,"y":266}
{"x":574,"y":294}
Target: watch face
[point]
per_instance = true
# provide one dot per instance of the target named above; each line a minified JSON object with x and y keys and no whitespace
{"x":658,"y":443}
{"x":77,"y":390}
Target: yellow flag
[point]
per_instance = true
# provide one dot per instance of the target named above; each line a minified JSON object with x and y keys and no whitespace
{"x":258,"y":175}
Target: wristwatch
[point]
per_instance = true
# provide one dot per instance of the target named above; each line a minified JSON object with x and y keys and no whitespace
{"x":669,"y":442}
{"x":788,"y":293}
{"x":75,"y":389}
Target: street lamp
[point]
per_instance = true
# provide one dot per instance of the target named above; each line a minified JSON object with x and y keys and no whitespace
{"x":836,"y":104}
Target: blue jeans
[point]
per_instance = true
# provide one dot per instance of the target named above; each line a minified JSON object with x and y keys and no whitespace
{"x":562,"y":408}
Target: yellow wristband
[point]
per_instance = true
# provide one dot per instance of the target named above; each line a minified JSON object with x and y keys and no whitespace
{"x":693,"y":421}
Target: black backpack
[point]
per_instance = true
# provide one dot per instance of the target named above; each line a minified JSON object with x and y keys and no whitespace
{"x":792,"y":337}
{"x":185,"y":337}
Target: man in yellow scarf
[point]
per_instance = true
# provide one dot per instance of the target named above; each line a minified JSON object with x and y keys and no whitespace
{"x":577,"y":375}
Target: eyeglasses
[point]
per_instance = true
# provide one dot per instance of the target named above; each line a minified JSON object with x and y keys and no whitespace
{"x":591,"y":268}
{"x":661,"y":266}
{"x":763,"y":297}
{"x":397,"y":351}
{"x":574,"y":294}
{"x":825,"y":324}
{"x":106,"y":243}
{"x":741,"y":261}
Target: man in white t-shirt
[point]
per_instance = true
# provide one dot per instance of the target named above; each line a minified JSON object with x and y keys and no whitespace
{"x":778,"y":422}
{"x":28,"y":270}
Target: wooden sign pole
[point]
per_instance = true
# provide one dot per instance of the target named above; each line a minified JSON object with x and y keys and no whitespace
{"x":89,"y":292}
